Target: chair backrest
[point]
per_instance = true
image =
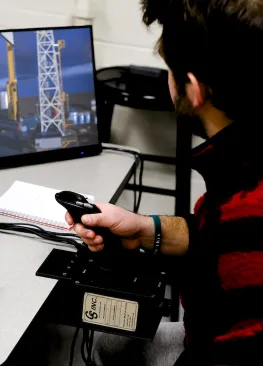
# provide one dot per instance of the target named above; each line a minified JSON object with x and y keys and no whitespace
{"x":135,"y":86}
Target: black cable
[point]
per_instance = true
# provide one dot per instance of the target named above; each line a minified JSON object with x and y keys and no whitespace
{"x":73,"y":344}
{"x":83,"y":344}
{"x":89,"y":336}
{"x":123,"y":150}
{"x":140,"y":187}
{"x":47,"y":235}
{"x":44,"y":235}
{"x":39,"y":228}
{"x":135,"y":192}
{"x":42,"y":230}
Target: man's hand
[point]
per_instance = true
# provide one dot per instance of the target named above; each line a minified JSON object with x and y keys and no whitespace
{"x":130,"y":227}
{"x":134,"y":230}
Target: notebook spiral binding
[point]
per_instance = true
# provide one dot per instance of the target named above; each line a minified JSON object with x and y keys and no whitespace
{"x":35,"y":219}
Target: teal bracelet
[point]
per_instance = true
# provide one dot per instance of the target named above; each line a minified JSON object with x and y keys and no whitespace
{"x":158,"y":234}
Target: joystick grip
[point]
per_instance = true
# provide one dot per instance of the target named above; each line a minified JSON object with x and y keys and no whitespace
{"x":77,"y":206}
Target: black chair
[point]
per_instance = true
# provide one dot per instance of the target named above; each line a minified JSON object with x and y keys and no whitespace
{"x":147,"y":88}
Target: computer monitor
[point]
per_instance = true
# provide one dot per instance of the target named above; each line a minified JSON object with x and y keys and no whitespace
{"x":48,"y":109}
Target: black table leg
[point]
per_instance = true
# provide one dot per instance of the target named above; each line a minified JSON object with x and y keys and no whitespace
{"x":105,"y":120}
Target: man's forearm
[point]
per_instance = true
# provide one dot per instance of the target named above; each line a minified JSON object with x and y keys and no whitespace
{"x":175,"y":235}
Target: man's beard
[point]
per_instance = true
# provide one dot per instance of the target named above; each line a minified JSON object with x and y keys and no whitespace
{"x":185,"y":114}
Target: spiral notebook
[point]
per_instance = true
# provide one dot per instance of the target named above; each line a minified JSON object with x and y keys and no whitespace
{"x":37,"y":204}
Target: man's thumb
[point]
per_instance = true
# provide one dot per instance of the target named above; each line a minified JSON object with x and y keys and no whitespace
{"x":96,"y":220}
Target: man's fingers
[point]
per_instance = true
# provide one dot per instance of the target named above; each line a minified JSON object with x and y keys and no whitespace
{"x":69,"y":219}
{"x":95,"y":245}
{"x":98,"y":240}
{"x":96,"y":249}
{"x":83,"y":232}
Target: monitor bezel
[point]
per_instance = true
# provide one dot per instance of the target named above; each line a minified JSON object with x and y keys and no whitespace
{"x":49,"y":156}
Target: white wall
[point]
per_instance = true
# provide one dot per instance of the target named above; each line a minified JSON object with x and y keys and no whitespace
{"x":119,"y":40}
{"x":123,"y":39}
{"x":34,"y":13}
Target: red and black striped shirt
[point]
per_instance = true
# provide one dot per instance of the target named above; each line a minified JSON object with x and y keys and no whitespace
{"x":222,"y":274}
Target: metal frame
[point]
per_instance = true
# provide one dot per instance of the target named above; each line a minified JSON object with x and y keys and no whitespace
{"x":124,"y":183}
{"x":50,"y":83}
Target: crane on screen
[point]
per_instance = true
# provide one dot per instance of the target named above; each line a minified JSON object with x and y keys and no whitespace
{"x":11,"y":85}
{"x":51,"y":95}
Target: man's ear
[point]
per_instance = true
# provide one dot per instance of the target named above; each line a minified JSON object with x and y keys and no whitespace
{"x":195,"y":91}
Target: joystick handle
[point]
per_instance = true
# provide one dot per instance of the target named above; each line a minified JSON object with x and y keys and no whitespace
{"x":77,"y":205}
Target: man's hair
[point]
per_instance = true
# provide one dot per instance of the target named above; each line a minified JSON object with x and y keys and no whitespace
{"x":220,"y":42}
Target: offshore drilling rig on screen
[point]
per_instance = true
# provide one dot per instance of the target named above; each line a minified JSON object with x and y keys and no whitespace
{"x":51,"y":96}
{"x":54,"y":125}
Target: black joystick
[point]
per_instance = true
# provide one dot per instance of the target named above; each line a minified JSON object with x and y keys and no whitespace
{"x":77,"y":205}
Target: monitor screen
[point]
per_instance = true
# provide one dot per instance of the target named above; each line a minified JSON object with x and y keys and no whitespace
{"x":47,"y":95}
